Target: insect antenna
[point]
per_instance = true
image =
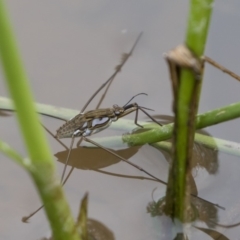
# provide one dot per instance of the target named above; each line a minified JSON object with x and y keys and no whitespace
{"x":134,"y":97}
{"x":142,"y":109}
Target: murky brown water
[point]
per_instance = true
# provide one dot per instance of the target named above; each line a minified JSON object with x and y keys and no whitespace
{"x":69,"y":49}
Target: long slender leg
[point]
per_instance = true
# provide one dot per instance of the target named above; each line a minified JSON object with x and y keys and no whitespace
{"x":123,"y":159}
{"x":69,"y":149}
{"x":127,"y":176}
{"x":136,"y":118}
{"x":59,"y":141}
{"x":117,"y":70}
{"x":67,"y":159}
{"x":143,"y":170}
{"x":136,"y":115}
{"x":222,"y":68}
{"x":154,"y":120}
{"x":26,"y":218}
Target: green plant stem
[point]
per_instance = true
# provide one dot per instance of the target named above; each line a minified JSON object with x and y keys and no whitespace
{"x":165,"y":132}
{"x":11,"y":153}
{"x":217,"y":144}
{"x":156,"y":133}
{"x":41,"y":166}
{"x":213,"y":143}
{"x":186,"y":97}
{"x":198,"y":24}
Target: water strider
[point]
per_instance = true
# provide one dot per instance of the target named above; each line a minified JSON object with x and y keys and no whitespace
{"x":85,"y":124}
{"x":94,"y":121}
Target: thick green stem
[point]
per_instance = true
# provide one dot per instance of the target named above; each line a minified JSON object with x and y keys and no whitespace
{"x":40,"y":165}
{"x":186,"y":81}
{"x":198,"y":24}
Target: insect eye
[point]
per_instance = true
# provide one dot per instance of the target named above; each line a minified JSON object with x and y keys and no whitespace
{"x":118,"y":111}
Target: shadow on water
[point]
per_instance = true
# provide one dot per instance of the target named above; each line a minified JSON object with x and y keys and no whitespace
{"x":93,"y":158}
{"x":5,"y":113}
{"x":98,"y":231}
{"x":213,"y":233}
{"x":96,"y":159}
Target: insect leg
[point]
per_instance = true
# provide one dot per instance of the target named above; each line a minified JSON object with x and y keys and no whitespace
{"x":26,"y":218}
{"x":217,"y":65}
{"x":154,"y":120}
{"x":124,"y":160}
{"x":59,"y":141}
{"x":118,"y":68}
{"x":142,"y":109}
{"x":141,"y":169}
{"x":67,"y":159}
{"x":136,"y":118}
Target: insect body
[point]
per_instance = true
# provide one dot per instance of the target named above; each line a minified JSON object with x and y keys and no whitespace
{"x":86,"y":124}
